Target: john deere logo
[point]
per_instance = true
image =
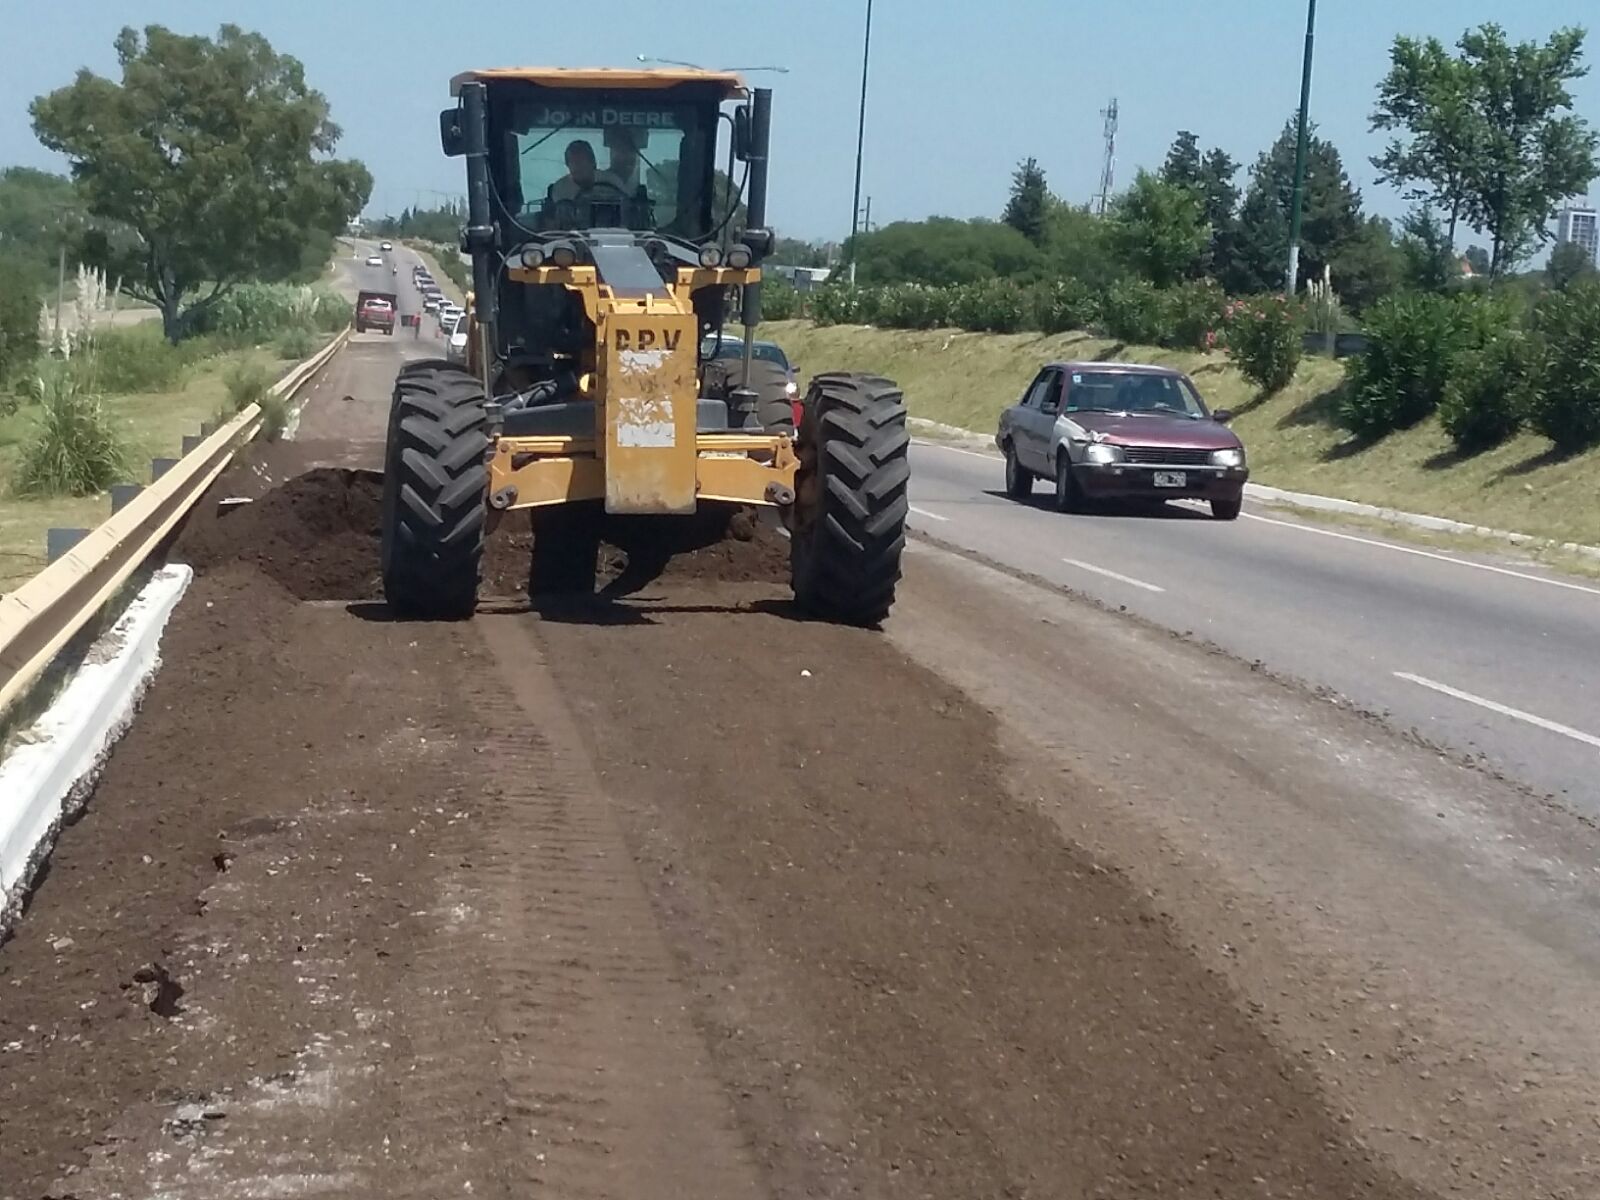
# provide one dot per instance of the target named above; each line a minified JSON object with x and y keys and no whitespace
{"x":648,"y":339}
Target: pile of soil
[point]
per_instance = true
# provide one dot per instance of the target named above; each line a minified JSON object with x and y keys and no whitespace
{"x":316,"y":536}
{"x":719,"y":546}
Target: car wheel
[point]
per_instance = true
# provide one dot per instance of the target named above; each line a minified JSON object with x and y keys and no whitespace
{"x":1019,"y":480}
{"x":1069,"y":497}
{"x":1226,"y":510}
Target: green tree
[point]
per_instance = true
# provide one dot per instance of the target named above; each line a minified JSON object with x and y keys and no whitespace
{"x":1182,"y":165}
{"x":795,"y":252}
{"x":1161,"y":229}
{"x":1330,"y":218}
{"x":1428,"y":97}
{"x":1029,"y":205}
{"x":1430,"y":263}
{"x":1490,"y":135}
{"x":1079,"y":245}
{"x":205,"y":166}
{"x":942,"y":251}
{"x":1569,"y":262}
{"x":1368,"y":266}
{"x":40,"y":215}
{"x":1209,"y":176}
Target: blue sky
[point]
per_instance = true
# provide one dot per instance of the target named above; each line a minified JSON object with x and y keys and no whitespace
{"x":960,"y":91}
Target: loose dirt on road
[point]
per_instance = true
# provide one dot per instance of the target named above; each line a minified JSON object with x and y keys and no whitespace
{"x":675,"y":895}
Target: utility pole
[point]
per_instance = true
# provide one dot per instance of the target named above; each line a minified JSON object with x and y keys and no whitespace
{"x":1292,"y":281}
{"x":861,"y":137}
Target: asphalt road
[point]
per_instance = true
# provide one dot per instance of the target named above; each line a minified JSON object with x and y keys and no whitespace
{"x":1491,"y":658}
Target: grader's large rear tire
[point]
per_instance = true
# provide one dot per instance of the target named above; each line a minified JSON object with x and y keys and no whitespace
{"x":770,"y":381}
{"x":850,"y":510}
{"x":435,"y":492}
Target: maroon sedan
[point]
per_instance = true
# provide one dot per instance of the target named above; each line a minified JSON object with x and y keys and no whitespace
{"x":1121,"y":431}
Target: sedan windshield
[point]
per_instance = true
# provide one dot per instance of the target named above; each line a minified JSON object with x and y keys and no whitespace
{"x":1134,"y":392}
{"x":734,"y":348}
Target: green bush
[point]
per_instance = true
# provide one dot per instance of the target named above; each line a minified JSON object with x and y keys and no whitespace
{"x":296,"y":344}
{"x":274,"y":417}
{"x":256,"y":313}
{"x":138,"y":359}
{"x":839,"y":304}
{"x":1416,"y":345}
{"x":989,"y":306}
{"x":1132,"y":310}
{"x":247,"y":382}
{"x":1487,"y":392}
{"x":1263,"y":339}
{"x":1565,"y":405}
{"x":779,"y":299}
{"x":74,"y":448}
{"x":1193,"y":315}
{"x":19,"y":326}
{"x":1063,"y":305}
{"x":913,"y":306}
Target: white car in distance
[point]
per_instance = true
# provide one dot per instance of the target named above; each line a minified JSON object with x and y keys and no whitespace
{"x":374,"y":260}
{"x":455,"y":338}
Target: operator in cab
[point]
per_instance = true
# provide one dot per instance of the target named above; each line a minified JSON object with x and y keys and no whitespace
{"x":580,"y":177}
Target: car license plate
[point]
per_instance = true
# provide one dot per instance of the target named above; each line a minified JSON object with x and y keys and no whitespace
{"x":1172,"y":479}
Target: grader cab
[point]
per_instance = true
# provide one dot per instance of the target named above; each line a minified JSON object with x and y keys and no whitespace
{"x":606,"y":250}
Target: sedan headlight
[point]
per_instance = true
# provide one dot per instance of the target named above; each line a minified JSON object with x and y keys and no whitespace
{"x":1099,"y":453}
{"x":1228,"y":458}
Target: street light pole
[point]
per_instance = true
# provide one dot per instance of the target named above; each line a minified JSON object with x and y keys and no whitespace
{"x":1293,"y":279}
{"x":678,"y":62}
{"x":861,"y":137}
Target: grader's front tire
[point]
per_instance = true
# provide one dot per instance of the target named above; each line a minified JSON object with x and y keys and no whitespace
{"x":850,"y":526}
{"x":435,"y":492}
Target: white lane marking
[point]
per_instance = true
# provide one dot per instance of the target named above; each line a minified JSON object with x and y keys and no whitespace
{"x":922,"y":512}
{"x":1460,"y":562}
{"x":1504,"y":710}
{"x":956,"y":450}
{"x":1127,"y":579}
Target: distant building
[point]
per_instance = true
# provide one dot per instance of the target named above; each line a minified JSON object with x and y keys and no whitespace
{"x":1581,"y":227}
{"x":805,"y":279}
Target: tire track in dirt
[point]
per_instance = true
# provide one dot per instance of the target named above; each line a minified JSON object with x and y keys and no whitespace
{"x":993,"y":1011}
{"x":601,"y":1061}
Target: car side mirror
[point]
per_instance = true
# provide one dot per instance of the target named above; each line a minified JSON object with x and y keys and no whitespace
{"x":451,"y":136}
{"x":1222,"y":415}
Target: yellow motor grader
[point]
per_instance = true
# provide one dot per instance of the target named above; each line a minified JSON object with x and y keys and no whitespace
{"x":606,"y":254}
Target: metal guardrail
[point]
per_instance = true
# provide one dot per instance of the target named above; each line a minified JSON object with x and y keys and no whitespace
{"x":42,"y":615}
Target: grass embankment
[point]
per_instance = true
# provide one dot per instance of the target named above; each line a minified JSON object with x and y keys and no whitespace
{"x":152,"y":424}
{"x":1293,"y":440}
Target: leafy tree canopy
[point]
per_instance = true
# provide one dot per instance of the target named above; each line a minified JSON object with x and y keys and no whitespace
{"x":1161,"y":229}
{"x":206,"y":165}
{"x":1569,"y":262}
{"x":1331,"y":215}
{"x":1488,"y":133}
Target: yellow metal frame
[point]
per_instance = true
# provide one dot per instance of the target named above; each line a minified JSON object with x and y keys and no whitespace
{"x":536,"y":472}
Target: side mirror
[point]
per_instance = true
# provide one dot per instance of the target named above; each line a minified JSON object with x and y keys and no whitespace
{"x":1222,"y":415}
{"x":741,"y":132}
{"x":451,"y":136}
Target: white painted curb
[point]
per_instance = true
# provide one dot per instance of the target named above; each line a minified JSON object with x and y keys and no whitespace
{"x":1271,"y":495}
{"x":49,"y":775}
